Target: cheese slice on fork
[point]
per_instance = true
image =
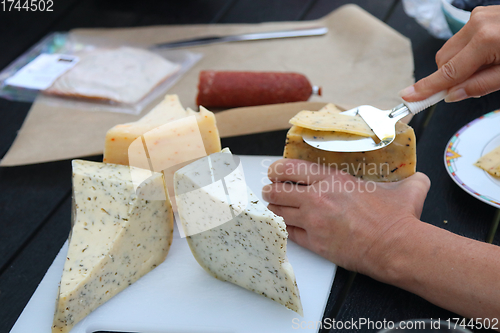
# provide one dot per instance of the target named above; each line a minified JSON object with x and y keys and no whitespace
{"x":330,"y":118}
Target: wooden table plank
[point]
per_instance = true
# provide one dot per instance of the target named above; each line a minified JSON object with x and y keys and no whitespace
{"x":13,"y":114}
{"x":257,"y":11}
{"x":29,"y":195}
{"x":196,"y":12}
{"x":24,"y":275}
{"x":495,"y":228}
{"x":376,"y":301}
{"x":270,"y":143}
{"x":114,"y":13}
{"x":21,"y":29}
{"x":378,"y":8}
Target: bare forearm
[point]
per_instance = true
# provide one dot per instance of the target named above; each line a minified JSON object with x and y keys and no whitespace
{"x":454,"y":272}
{"x":378,"y":234}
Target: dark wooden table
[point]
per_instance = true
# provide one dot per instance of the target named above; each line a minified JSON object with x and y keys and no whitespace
{"x":35,"y":199}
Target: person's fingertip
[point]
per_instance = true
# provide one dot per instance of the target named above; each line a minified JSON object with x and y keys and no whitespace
{"x":456,"y":95}
{"x":298,"y":235}
{"x":406,"y":92}
{"x":276,"y":209}
{"x":266,"y":189}
{"x":423,"y":179}
{"x":276,"y":170}
{"x":291,"y":232}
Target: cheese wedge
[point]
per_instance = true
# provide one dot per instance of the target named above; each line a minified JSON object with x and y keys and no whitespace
{"x":119,"y":234}
{"x":232,"y":235}
{"x":329,"y":118}
{"x":165,"y":139}
{"x":490,"y":162}
{"x":392,"y":163}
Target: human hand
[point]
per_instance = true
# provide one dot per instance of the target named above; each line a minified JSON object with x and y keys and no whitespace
{"x":350,"y":222}
{"x":468,"y":64}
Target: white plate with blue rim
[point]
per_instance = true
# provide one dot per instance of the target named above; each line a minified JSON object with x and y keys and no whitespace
{"x":465,"y":147}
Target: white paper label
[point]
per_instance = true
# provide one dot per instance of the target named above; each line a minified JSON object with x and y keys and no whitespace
{"x":42,"y":71}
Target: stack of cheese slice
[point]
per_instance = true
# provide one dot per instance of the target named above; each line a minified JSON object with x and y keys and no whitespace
{"x":232,"y":235}
{"x":165,"y":139}
{"x":120,"y":232}
{"x":392,"y":163}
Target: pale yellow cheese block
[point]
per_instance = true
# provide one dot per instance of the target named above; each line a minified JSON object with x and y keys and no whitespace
{"x":490,"y":162}
{"x":329,"y":118}
{"x":119,"y":138}
{"x":119,"y":233}
{"x":240,"y":243}
{"x":392,"y":163}
{"x":165,"y":139}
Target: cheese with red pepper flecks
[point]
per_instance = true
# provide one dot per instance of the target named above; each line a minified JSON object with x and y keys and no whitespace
{"x":165,"y":139}
{"x":392,"y":163}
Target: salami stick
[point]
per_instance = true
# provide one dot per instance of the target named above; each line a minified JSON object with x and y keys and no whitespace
{"x":228,"y":89}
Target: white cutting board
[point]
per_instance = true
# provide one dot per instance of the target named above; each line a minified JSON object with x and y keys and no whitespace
{"x":179,"y":296}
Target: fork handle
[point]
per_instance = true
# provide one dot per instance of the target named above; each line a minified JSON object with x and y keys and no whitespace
{"x":416,"y":107}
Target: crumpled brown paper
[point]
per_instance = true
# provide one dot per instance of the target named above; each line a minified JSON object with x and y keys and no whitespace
{"x":359,"y":61}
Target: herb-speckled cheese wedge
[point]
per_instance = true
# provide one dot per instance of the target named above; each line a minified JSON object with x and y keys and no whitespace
{"x":246,"y":244}
{"x":119,"y":234}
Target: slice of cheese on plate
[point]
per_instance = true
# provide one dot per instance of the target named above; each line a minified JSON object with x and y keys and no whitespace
{"x":232,"y":235}
{"x":120,"y":232}
{"x":329,"y":118}
{"x":392,"y":163}
{"x":124,"y":75}
{"x":490,"y":162}
{"x":165,"y":139}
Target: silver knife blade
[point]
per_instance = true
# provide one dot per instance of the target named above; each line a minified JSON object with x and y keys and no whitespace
{"x":301,"y":32}
{"x":340,"y":142}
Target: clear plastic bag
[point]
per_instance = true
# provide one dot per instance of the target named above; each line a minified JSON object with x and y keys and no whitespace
{"x":95,"y":48}
{"x":428,"y":13}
